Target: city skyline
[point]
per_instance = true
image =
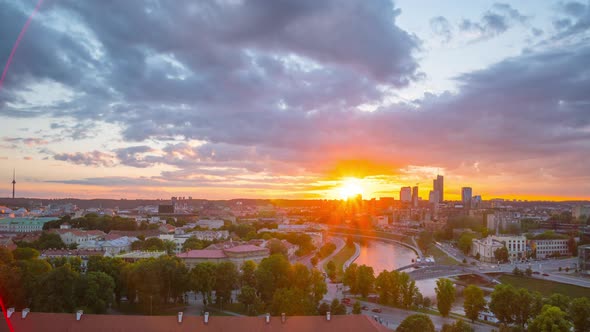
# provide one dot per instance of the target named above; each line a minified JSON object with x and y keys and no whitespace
{"x":295,"y":100}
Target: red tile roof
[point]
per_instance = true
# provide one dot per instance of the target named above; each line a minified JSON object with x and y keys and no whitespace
{"x":54,"y":322}
{"x":205,"y":253}
{"x":245,"y":248}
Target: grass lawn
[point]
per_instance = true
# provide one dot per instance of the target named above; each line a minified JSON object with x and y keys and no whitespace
{"x":545,"y":287}
{"x":440,"y":257}
{"x":340,"y":258}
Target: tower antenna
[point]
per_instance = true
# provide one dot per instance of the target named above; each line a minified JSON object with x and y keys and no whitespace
{"x":13,"y":181}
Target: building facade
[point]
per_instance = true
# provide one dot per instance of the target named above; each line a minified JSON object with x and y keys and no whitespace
{"x":549,"y":248}
{"x":485,"y":248}
{"x":23,"y":225}
{"x":405,"y":194}
{"x":237,"y":255}
{"x":584,"y":259}
{"x":466,"y":194}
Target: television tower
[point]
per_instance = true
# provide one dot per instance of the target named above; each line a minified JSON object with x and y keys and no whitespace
{"x":13,"y":181}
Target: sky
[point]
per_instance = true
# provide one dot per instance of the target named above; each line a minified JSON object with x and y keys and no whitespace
{"x":227,"y":99}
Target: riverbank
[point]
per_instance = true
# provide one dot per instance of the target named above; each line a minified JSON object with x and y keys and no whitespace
{"x":340,"y":258}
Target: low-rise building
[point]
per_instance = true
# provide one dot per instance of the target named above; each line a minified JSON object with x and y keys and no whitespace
{"x":237,"y":255}
{"x":516,"y":245}
{"x":78,"y":236}
{"x":549,"y":248}
{"x":23,"y":225}
{"x":210,"y":224}
{"x":485,"y":248}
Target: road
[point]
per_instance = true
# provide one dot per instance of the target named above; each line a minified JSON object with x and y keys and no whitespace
{"x":392,"y":317}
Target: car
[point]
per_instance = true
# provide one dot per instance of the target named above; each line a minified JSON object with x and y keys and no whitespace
{"x":365,"y":307}
{"x":346,"y":300}
{"x":377,"y":310}
{"x":536,"y":272}
{"x":545,"y":275}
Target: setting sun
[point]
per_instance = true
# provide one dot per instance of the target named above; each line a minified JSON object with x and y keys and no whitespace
{"x":350,"y":187}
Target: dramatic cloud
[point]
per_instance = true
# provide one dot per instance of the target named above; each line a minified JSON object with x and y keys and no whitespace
{"x":576,"y":20}
{"x":94,"y":158}
{"x":258,"y":94}
{"x":494,"y":22}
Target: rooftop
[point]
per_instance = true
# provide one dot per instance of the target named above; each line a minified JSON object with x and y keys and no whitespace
{"x":50,"y":322}
{"x":205,"y":253}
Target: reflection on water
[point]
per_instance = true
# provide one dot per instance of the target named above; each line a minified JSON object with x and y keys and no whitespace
{"x":384,"y":256}
{"x":389,"y":256}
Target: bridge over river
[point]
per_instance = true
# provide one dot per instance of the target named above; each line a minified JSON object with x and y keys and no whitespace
{"x":443,"y":271}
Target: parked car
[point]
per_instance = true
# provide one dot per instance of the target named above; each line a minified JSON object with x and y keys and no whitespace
{"x":365,"y":307}
{"x":377,"y":310}
{"x":346,"y":300}
{"x":536,"y":272}
{"x":545,"y":275}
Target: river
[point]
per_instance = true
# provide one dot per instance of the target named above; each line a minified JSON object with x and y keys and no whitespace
{"x":389,"y":256}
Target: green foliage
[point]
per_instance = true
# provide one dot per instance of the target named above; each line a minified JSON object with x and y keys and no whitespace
{"x":6,"y":256}
{"x":226,"y":280}
{"x":291,"y":301}
{"x":94,"y":222}
{"x":548,"y":235}
{"x":445,"y":296}
{"x":551,"y":319}
{"x":274,"y":272}
{"x":501,"y":303}
{"x":501,"y":254}
{"x":396,"y":288}
{"x":57,"y":291}
{"x":202,"y":280}
{"x":464,"y":243}
{"x":510,"y":305}
{"x":474,"y":302}
{"x":579,"y":312}
{"x":25,"y":253}
{"x":192,"y":243}
{"x":248,"y":277}
{"x":337,"y":308}
{"x":349,"y":278}
{"x":559,"y":300}
{"x":331,"y":270}
{"x":416,"y":322}
{"x":365,"y":280}
{"x":458,"y":326}
{"x":275,"y":246}
{"x":356,"y":308}
{"x":94,"y":292}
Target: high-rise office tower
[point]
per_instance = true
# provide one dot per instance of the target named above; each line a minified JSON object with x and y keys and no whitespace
{"x":415,"y":196}
{"x":434,"y":197}
{"x":405,"y":194}
{"x":440,"y":187}
{"x":466,"y":194}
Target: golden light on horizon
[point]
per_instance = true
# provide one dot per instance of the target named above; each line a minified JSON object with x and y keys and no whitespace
{"x":350,"y":187}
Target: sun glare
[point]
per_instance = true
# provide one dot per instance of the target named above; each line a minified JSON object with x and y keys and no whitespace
{"x":350,"y":188}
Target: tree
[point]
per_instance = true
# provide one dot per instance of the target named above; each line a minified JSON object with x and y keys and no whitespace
{"x":6,"y":256}
{"x":277,"y":247}
{"x":331,"y":270}
{"x":464,"y":243}
{"x":559,"y":300}
{"x":248,"y":275}
{"x":349,"y":278}
{"x":445,"y":296}
{"x":94,"y":291}
{"x":474,"y":302}
{"x":458,"y":326}
{"x":49,"y":241}
{"x":249,"y":297}
{"x":579,"y":312}
{"x":314,"y":260}
{"x":337,"y":308}
{"x":192,"y":243}
{"x":226,"y":279}
{"x":416,"y":322}
{"x":356,"y":308}
{"x":501,"y":254}
{"x":291,"y":301}
{"x":551,"y":319}
{"x":501,"y":303}
{"x":273,"y":272}
{"x":528,"y":271}
{"x":202,"y":280}
{"x":25,"y":253}
{"x":365,"y":280}
{"x":57,"y":291}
